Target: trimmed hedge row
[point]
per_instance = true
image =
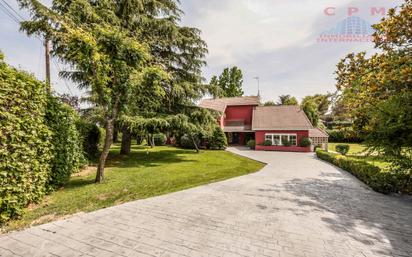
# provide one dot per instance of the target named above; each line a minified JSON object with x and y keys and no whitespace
{"x":40,"y":145}
{"x":373,"y":176}
{"x":68,"y":155}
{"x":25,"y":148}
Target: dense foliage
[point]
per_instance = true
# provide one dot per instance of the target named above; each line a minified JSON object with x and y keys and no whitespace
{"x":159,"y":139}
{"x":25,"y":149}
{"x":342,"y":149}
{"x":373,"y":176}
{"x":377,"y":89}
{"x":90,"y":136}
{"x":186,"y":142}
{"x":68,"y":155}
{"x":218,"y":140}
{"x":287,"y":100}
{"x":229,"y":83}
{"x":251,"y":144}
{"x":344,"y":135}
{"x":305,"y":142}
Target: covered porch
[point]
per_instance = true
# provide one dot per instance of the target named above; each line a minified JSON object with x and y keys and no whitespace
{"x":238,"y":133}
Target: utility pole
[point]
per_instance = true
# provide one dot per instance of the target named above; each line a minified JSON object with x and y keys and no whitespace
{"x":47,"y":54}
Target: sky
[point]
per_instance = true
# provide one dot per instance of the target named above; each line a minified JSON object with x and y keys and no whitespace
{"x":275,"y":40}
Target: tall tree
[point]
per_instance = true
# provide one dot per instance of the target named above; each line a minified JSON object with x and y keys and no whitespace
{"x":322,"y":102}
{"x":378,"y":89}
{"x":91,"y":38}
{"x":229,"y":83}
{"x":287,"y":100}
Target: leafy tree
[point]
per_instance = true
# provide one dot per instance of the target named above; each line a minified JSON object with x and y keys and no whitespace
{"x":229,"y":83}
{"x":311,"y":111}
{"x":270,"y":103}
{"x":109,"y":44}
{"x":287,"y":100}
{"x":322,"y":102}
{"x":378,"y":89}
{"x":218,"y":140}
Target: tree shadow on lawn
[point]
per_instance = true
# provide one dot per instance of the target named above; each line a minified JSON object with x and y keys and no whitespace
{"x":368,"y":217}
{"x":138,"y":158}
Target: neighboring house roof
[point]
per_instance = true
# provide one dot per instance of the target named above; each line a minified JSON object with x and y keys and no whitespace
{"x":280,"y":118}
{"x":317,"y":132}
{"x":220,"y":104}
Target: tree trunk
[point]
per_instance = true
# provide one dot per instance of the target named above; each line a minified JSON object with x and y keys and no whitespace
{"x":115,"y":134}
{"x":106,"y":148}
{"x":194,"y":143}
{"x":126,"y":142}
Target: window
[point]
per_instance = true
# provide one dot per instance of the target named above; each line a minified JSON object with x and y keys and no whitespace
{"x":278,"y":139}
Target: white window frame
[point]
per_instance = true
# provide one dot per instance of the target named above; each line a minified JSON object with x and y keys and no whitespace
{"x":272,"y":135}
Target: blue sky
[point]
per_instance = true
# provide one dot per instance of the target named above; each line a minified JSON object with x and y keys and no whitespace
{"x":273,"y":39}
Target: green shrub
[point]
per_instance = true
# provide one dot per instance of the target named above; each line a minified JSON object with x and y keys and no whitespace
{"x":251,"y":144}
{"x":305,"y":142}
{"x":286,"y":143}
{"x":267,"y":143}
{"x":90,"y":138}
{"x":187,"y":143}
{"x":342,"y":149}
{"x":344,"y":135}
{"x":24,"y":141}
{"x":159,"y":139}
{"x":218,"y":140}
{"x":68,"y":156}
{"x":378,"y":180}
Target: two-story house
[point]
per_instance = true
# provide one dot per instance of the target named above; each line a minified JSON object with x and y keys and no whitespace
{"x":244,"y":118}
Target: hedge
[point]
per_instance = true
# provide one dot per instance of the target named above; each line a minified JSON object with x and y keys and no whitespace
{"x":68,"y":155}
{"x":25,"y":148}
{"x":343,"y":135}
{"x":90,"y":136}
{"x":159,"y":139}
{"x":40,"y":146}
{"x":373,"y":176}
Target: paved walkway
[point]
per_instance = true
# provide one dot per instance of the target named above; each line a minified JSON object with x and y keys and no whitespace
{"x":296,"y":206}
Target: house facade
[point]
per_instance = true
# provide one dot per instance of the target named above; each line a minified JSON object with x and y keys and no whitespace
{"x":244,"y":118}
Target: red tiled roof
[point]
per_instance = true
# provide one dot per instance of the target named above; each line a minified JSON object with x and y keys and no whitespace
{"x":220,"y":104}
{"x":317,"y":132}
{"x":280,"y":118}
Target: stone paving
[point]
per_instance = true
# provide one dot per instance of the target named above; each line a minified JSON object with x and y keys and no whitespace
{"x":296,"y":206}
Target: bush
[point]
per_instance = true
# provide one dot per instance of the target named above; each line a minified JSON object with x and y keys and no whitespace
{"x":187,"y":143}
{"x":380,"y":181}
{"x":342,"y":149}
{"x":344,"y":135}
{"x":218,"y":140}
{"x":267,"y":143}
{"x":305,"y":142}
{"x":286,"y":143}
{"x":25,"y":150}
{"x":90,"y":138}
{"x":159,"y":139}
{"x":251,"y":144}
{"x":68,"y":155}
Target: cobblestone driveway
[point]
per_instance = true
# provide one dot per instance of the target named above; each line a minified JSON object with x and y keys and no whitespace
{"x":296,"y":206}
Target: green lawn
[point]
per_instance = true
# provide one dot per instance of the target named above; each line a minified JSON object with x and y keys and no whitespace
{"x":145,"y":173}
{"x":357,"y":151}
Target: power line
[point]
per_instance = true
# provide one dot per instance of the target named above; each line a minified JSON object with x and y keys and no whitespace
{"x":8,"y":13}
{"x":10,"y":7}
{"x":16,"y":17}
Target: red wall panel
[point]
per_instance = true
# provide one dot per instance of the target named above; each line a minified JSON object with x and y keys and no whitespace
{"x":240,"y":113}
